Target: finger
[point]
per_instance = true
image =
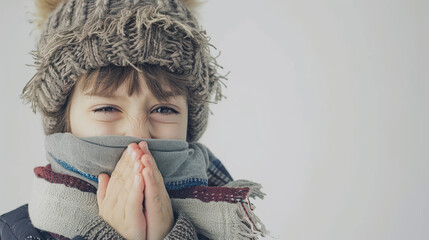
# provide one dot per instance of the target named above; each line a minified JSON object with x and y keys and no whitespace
{"x":103,"y":180}
{"x":158,"y":208}
{"x":125,"y":166}
{"x":133,"y":166}
{"x":124,"y":159}
{"x":132,"y":157}
{"x":155,"y":192}
{"x":144,"y":147}
{"x":154,"y":184}
{"x":121,"y":163}
{"x":121,"y":180}
{"x":149,"y":161}
{"x":134,"y":208}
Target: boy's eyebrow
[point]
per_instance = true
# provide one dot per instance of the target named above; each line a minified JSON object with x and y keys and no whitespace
{"x":171,"y":94}
{"x":101,"y":94}
{"x":106,"y":94}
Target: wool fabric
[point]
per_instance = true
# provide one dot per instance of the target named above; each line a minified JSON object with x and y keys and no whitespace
{"x":222,"y":212}
{"x":60,"y":209}
{"x":66,"y":211}
{"x":181,"y":164}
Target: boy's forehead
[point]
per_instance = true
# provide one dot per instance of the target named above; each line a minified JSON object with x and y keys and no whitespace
{"x":115,"y":82}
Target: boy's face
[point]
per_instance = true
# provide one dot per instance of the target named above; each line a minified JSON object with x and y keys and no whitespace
{"x":140,"y":115}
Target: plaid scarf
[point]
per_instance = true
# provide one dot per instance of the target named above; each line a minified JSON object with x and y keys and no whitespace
{"x":64,"y":202}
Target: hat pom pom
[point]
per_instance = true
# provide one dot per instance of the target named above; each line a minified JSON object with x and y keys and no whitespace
{"x":44,"y":8}
{"x":191,"y":4}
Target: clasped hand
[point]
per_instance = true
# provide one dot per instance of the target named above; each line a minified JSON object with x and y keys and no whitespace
{"x":133,"y":200}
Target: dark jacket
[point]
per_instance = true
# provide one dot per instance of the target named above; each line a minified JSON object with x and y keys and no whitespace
{"x":16,"y":225}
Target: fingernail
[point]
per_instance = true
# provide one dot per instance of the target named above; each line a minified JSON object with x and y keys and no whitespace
{"x":136,"y":166}
{"x":129,"y":150}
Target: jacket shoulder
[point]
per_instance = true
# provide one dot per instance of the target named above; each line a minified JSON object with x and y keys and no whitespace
{"x":16,"y":224}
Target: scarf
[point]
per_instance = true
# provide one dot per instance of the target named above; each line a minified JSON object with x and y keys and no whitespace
{"x":63,"y":200}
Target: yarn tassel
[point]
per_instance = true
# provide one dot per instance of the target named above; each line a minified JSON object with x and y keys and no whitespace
{"x":250,"y":227}
{"x":255,"y":188}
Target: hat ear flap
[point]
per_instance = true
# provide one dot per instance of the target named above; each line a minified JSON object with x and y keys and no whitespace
{"x":44,"y":8}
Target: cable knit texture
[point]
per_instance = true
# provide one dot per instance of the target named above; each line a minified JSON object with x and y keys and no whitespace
{"x":183,"y":229}
{"x":98,"y":229}
{"x":80,"y":35}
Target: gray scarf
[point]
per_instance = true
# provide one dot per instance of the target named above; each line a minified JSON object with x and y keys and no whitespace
{"x":216,"y":212}
{"x":181,"y":164}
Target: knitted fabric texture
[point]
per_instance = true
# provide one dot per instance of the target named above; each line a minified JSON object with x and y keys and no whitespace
{"x":181,"y":164}
{"x":67,"y":180}
{"x":55,"y":207}
{"x":216,"y":212}
{"x":80,"y":35}
{"x":183,"y":230}
{"x":73,"y":208}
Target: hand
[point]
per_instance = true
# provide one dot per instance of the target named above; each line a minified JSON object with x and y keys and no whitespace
{"x":158,"y":209}
{"x":120,"y":197}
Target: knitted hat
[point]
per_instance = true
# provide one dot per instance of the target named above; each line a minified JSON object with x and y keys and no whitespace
{"x":80,"y":35}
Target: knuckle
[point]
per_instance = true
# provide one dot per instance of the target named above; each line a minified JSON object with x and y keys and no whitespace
{"x":143,"y":144}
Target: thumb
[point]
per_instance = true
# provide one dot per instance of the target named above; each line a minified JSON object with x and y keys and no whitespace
{"x":103,"y":180}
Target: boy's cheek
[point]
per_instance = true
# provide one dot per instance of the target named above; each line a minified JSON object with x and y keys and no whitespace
{"x":89,"y":128}
{"x":85,"y":126}
{"x":175,"y":131}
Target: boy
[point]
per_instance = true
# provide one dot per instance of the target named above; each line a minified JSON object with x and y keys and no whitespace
{"x":137,"y":69}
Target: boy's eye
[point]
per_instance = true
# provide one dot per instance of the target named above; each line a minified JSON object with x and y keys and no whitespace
{"x":105,"y":109}
{"x":106,"y":113}
{"x":164,"y":110}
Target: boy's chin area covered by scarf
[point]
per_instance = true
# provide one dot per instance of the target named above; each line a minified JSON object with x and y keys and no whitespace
{"x":63,"y":200}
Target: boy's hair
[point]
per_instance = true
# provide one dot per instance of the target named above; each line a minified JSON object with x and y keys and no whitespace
{"x":83,"y":36}
{"x":108,"y":79}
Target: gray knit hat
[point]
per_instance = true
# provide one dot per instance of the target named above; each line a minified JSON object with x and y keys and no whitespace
{"x":80,"y":35}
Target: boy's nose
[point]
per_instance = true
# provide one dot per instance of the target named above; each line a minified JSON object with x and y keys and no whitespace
{"x":138,"y":130}
{"x":138,"y":134}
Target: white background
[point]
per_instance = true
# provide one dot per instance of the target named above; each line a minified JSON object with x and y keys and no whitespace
{"x":327,"y":107}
